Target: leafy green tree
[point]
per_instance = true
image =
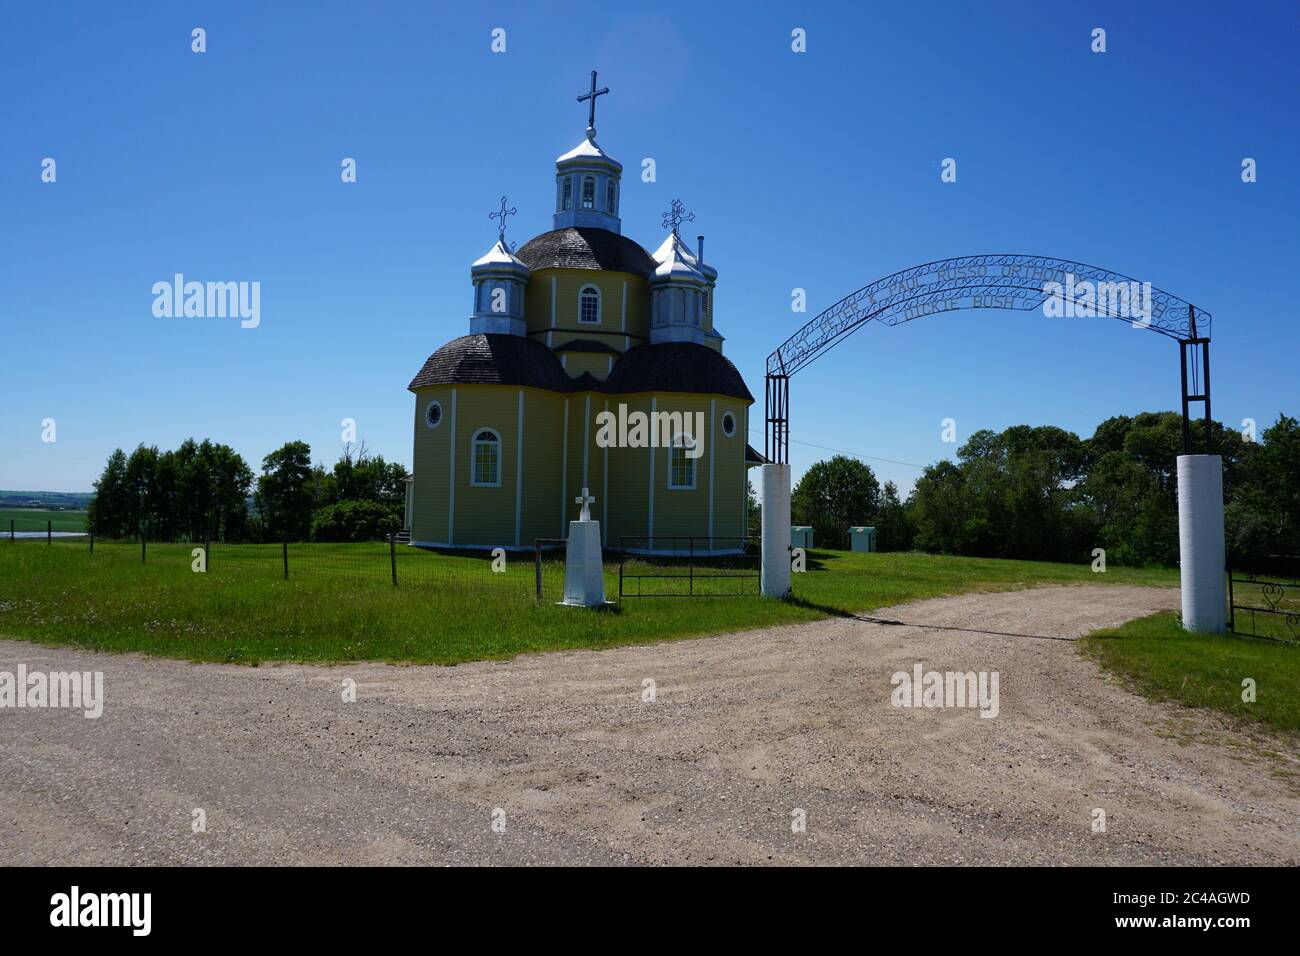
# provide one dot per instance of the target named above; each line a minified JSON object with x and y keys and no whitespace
{"x":285,"y":496}
{"x":106,"y":514}
{"x":354,"y":521}
{"x":893,"y":524}
{"x":834,"y":495}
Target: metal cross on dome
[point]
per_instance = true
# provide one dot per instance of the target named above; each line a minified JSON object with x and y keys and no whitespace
{"x":591,"y":95}
{"x":501,"y":228}
{"x":677,"y":215}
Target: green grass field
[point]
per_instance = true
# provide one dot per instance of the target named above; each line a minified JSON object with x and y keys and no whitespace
{"x":1157,"y":658}
{"x":33,"y":519}
{"x":339,"y":603}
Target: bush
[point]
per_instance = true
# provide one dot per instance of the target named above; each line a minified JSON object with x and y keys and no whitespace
{"x":354,"y":521}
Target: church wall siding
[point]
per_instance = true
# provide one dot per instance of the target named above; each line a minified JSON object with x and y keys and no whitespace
{"x":682,"y":511}
{"x":540,"y":496}
{"x":730,"y":474}
{"x":612,"y":328}
{"x":430,"y":465}
{"x":485,"y":516}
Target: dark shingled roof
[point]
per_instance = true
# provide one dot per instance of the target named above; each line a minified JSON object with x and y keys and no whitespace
{"x":677,"y":367}
{"x":514,"y":360}
{"x":755,"y":457}
{"x":493,"y":360}
{"x":586,"y":345}
{"x":578,"y":248}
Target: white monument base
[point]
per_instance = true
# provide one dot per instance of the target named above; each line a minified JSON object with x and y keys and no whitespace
{"x":584,"y":572}
{"x":1200,"y":542}
{"x":775,"y":575}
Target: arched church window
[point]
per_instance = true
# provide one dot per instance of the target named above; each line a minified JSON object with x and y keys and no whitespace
{"x":679,"y":307}
{"x":589,"y":305}
{"x":486,"y":458}
{"x":588,"y":192}
{"x":567,"y":201}
{"x":611,"y":203}
{"x":681,"y":466}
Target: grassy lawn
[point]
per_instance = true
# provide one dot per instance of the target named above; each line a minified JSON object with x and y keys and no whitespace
{"x":1160,"y":660}
{"x":33,"y":519}
{"x":339,"y":603}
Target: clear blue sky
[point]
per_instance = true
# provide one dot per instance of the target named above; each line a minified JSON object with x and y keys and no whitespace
{"x":816,"y":170}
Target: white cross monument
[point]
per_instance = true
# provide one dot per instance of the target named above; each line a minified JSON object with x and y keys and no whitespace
{"x":584,"y":574}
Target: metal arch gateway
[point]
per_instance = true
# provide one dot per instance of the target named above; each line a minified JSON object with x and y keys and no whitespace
{"x":994,"y":282}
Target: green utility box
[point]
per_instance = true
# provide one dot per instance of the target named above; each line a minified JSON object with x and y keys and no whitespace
{"x":862,"y":539}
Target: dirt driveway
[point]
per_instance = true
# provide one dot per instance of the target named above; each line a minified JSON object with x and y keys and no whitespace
{"x":745,"y":730}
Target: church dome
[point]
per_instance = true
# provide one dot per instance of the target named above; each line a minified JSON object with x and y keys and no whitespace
{"x":493,"y":360}
{"x":677,"y":367}
{"x":583,"y":248}
{"x":676,"y":262}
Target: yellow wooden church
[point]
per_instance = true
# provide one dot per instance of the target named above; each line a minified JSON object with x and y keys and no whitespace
{"x":581,"y":345}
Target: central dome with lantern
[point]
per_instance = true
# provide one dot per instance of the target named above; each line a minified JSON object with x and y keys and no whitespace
{"x":578,"y":318}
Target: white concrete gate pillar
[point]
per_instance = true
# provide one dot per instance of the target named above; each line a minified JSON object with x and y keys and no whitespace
{"x":775,"y":575}
{"x":1200,"y":542}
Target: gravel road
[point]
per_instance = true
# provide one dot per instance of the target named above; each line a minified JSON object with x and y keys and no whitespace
{"x":745,"y":731}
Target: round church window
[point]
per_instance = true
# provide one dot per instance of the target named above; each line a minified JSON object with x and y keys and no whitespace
{"x":728,"y":424}
{"x":433,"y":414}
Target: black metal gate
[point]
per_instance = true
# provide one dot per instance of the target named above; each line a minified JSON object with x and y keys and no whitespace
{"x":686,"y":566}
{"x":1264,"y":596}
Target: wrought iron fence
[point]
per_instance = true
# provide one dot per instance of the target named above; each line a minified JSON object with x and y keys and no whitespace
{"x":688,"y":566}
{"x":1264,"y":596}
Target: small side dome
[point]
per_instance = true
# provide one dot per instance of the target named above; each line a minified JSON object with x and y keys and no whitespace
{"x":499,"y":278}
{"x":681,"y":289}
{"x":587,"y":187}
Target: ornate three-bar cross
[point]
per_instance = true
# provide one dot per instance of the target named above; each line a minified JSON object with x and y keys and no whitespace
{"x":591,"y":95}
{"x":584,"y":499}
{"x":501,"y":228}
{"x":676,"y":216}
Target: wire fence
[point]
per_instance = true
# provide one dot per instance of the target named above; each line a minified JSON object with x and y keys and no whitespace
{"x":528,"y":574}
{"x":642,"y":567}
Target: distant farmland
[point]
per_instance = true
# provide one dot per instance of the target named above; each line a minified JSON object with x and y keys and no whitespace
{"x":34,"y":519}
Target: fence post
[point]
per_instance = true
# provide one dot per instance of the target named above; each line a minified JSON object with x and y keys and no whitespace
{"x":690,"y":562}
{"x":92,"y":540}
{"x":392,"y":555}
{"x":142,"y":546}
{"x":537,"y":566}
{"x":285,"y":543}
{"x":1232,"y":604}
{"x":207,"y":549}
{"x":49,"y":532}
{"x":12,"y":536}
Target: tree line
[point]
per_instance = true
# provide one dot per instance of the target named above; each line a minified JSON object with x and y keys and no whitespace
{"x":203,"y":490}
{"x":1044,"y":493}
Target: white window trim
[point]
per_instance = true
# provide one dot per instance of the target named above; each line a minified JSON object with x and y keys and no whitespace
{"x":599,"y":306}
{"x":695,"y":471}
{"x":732,"y":433}
{"x":441,"y":415}
{"x":473,"y":458}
